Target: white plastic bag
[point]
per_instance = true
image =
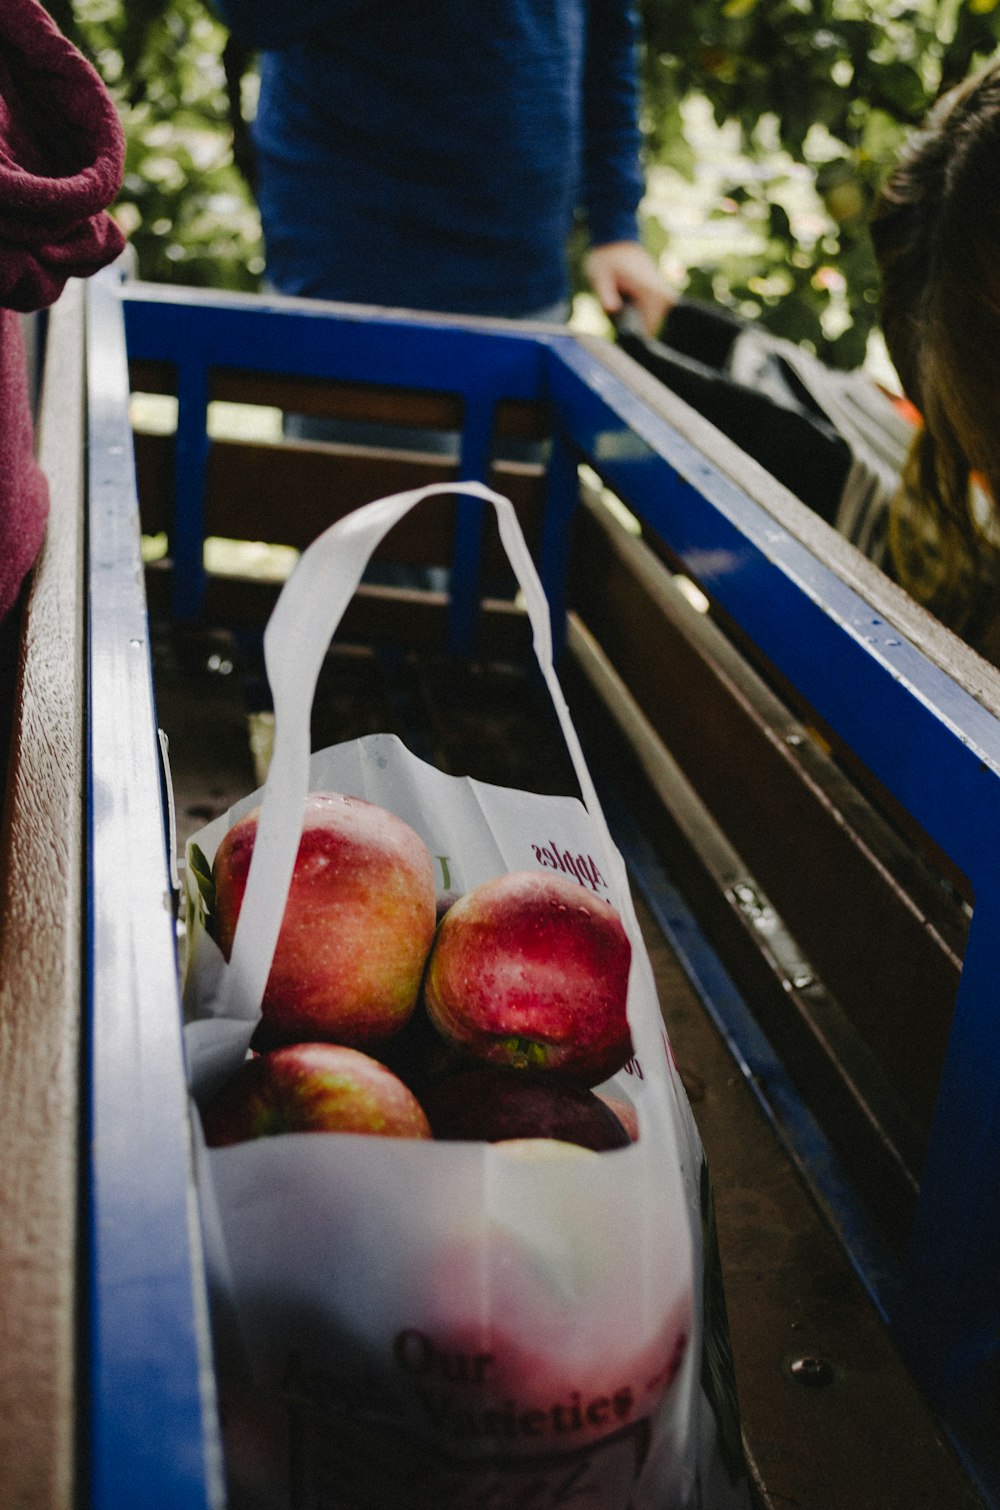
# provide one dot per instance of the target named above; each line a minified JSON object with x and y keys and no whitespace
{"x":424,"y":1325}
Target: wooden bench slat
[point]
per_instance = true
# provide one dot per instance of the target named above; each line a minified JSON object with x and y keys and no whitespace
{"x":300,"y":490}
{"x":350,"y":401}
{"x":287,"y":494}
{"x":514,"y":417}
{"x":41,"y":910}
{"x":376,"y":615}
{"x":861,"y":1115}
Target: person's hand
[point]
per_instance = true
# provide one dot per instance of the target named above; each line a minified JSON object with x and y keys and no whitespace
{"x":623,"y":272}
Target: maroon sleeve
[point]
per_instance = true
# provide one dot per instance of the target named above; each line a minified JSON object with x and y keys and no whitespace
{"x":61,"y":160}
{"x":24,"y":498}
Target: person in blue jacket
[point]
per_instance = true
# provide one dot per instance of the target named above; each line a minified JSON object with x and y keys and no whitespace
{"x":435,"y":155}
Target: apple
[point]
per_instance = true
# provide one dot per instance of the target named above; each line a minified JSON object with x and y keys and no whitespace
{"x":494,"y":1105}
{"x":623,"y":1111}
{"x":357,"y":927}
{"x":530,"y":971}
{"x":419,"y":1055}
{"x":531,"y":1150}
{"x":312,"y":1087}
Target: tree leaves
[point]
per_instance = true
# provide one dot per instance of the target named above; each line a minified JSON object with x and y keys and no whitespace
{"x":865,"y":71}
{"x":861,"y":71}
{"x":185,"y":206}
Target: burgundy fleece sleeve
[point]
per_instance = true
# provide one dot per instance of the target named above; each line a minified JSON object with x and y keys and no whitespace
{"x":24,"y":497}
{"x":61,"y":161}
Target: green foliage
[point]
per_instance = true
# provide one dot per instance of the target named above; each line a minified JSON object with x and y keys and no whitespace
{"x":817,"y":96}
{"x":187,"y":210}
{"x":769,"y":124}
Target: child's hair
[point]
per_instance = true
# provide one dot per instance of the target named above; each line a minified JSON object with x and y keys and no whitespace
{"x":936,"y":233}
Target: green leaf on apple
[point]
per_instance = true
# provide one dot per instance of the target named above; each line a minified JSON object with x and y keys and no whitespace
{"x":525,"y":1053}
{"x":202,"y":872}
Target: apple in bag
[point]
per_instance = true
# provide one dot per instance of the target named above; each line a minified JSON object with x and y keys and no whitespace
{"x":501,"y":1106}
{"x":312,"y":1087}
{"x":357,"y":927}
{"x":530,"y":971}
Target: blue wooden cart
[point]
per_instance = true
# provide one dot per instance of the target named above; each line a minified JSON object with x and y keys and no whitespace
{"x":801,"y":768}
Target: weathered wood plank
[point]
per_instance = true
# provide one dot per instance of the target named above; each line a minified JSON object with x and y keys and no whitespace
{"x":379,"y":615}
{"x":40,"y":968}
{"x":399,"y":406}
{"x":287,"y":494}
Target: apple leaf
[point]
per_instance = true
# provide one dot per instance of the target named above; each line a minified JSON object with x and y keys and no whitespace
{"x":526,"y":1053}
{"x":202,"y":872}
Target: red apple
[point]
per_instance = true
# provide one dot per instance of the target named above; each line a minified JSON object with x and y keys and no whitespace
{"x":358,"y":924}
{"x":530,"y":970}
{"x":420,"y":1056}
{"x":496,"y":1105}
{"x":624,"y":1112}
{"x":312,"y":1087}
{"x":535,"y":1150}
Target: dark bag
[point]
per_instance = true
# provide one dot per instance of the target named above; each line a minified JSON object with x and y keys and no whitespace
{"x":834,"y":439}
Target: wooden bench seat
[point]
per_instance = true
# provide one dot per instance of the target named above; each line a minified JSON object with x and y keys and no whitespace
{"x":42,"y":937}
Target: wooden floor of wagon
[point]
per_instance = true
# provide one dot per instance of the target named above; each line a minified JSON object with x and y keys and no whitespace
{"x":831,"y":1418}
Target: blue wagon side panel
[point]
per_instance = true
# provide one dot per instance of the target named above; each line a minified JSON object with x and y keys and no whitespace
{"x":151,"y":1430}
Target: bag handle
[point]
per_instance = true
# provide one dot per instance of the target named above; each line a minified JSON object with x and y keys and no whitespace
{"x":296,"y":641}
